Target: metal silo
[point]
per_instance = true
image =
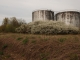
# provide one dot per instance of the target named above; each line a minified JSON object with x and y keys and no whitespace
{"x":42,"y":15}
{"x":69,"y":17}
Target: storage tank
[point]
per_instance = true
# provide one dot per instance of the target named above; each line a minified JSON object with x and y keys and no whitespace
{"x":42,"y":15}
{"x":69,"y":17}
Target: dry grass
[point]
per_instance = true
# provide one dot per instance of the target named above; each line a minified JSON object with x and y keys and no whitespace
{"x":39,"y":47}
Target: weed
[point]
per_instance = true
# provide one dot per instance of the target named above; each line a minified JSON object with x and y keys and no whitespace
{"x":62,"y":39}
{"x":1,"y":53}
{"x":44,"y":59}
{"x":46,"y":39}
{"x":39,"y":36}
{"x":8,"y":56}
{"x":76,"y":39}
{"x":74,"y":57}
{"x":43,"y":56}
{"x":33,"y":37}
{"x":4,"y":46}
{"x":33,"y":41}
{"x":23,"y":55}
{"x":20,"y":38}
{"x":25,"y":41}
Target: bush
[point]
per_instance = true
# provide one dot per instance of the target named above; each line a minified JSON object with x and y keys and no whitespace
{"x":47,"y":27}
{"x":24,"y":28}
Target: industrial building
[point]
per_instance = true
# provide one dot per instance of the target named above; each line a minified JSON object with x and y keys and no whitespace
{"x":42,"y":15}
{"x":68,"y":17}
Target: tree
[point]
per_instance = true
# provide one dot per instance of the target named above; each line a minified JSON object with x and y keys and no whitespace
{"x":10,"y":24}
{"x":5,"y":21}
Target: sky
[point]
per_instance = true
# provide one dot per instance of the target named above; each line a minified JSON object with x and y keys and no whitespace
{"x":22,"y":9}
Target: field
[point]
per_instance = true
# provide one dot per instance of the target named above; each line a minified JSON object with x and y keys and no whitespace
{"x":39,"y":47}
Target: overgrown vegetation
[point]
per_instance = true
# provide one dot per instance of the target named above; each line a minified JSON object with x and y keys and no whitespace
{"x":39,"y":47}
{"x":38,"y":27}
{"x":47,"y":27}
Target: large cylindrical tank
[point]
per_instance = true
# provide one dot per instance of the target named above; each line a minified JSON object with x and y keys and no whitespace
{"x":69,"y":17}
{"x":42,"y":15}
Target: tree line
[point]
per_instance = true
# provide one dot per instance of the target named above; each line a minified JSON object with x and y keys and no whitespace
{"x":10,"y":24}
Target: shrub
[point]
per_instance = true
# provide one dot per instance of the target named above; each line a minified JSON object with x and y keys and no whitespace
{"x":24,"y":28}
{"x":47,"y":27}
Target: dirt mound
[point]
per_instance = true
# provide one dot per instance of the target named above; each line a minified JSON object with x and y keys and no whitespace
{"x":39,"y":47}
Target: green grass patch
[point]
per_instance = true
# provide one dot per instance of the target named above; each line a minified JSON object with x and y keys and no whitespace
{"x":7,"y":56}
{"x":33,"y":41}
{"x":23,"y":55}
{"x":61,"y":39}
{"x":43,"y":56}
{"x":74,"y":57}
{"x":20,"y":38}
{"x":25,"y":41}
{"x":4,"y":46}
{"x":76,"y":39}
{"x":46,"y":39}
{"x":1,"y":53}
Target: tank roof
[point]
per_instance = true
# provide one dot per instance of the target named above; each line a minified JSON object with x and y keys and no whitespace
{"x":68,"y":12}
{"x":42,"y":10}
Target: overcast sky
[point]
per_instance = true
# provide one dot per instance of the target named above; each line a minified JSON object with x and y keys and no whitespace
{"x":22,"y":9}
